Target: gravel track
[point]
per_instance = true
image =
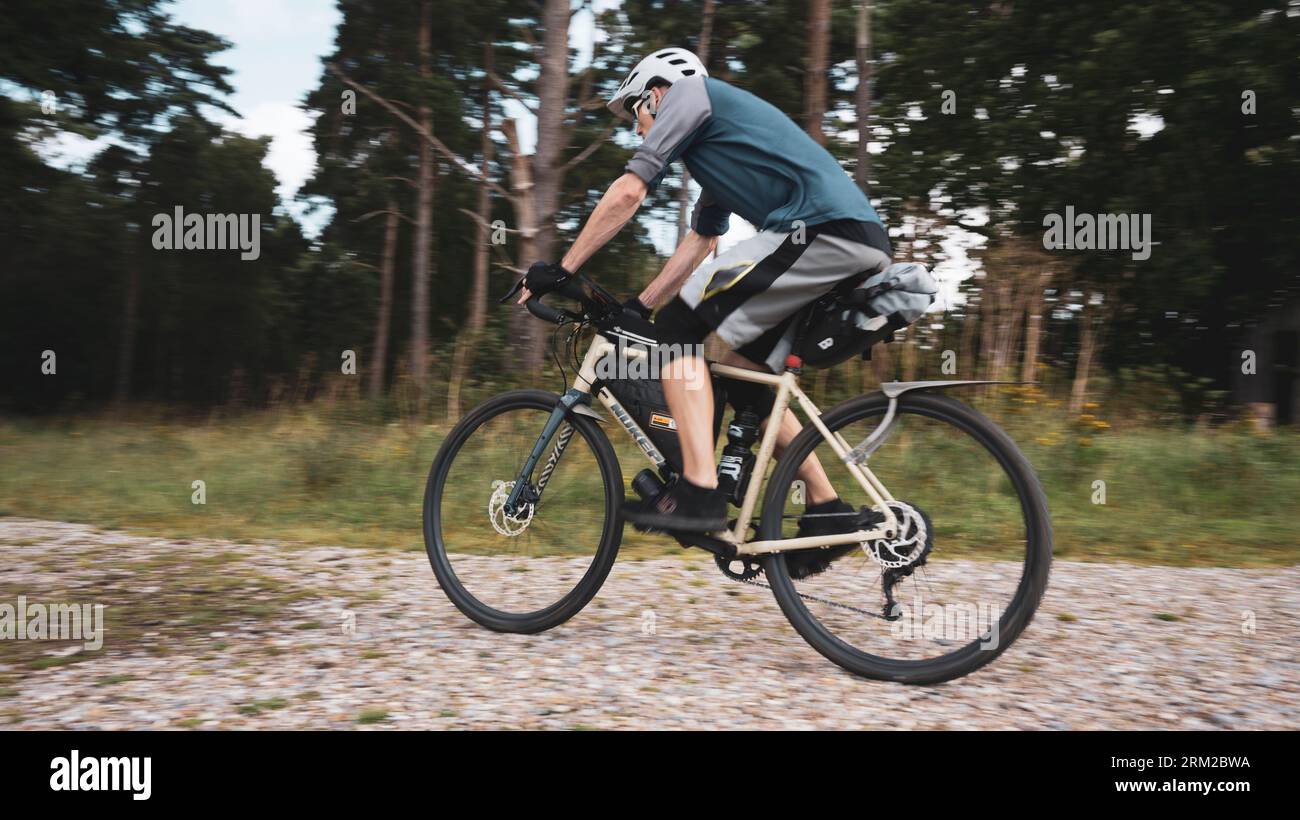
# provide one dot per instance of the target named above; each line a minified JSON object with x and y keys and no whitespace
{"x":212,"y":634}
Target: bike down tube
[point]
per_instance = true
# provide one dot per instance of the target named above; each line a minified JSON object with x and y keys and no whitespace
{"x":586,"y":377}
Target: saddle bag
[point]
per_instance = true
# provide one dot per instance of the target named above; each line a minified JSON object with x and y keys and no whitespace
{"x":848,"y":321}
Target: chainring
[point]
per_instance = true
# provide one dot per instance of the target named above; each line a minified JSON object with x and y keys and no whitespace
{"x":750,"y":568}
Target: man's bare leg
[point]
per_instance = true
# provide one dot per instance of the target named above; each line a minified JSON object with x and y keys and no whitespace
{"x":689,"y":392}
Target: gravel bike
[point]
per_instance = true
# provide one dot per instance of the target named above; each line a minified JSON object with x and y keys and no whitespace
{"x":522,"y":521}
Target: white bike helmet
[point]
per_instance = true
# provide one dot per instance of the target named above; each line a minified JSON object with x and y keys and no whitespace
{"x":668,"y":64}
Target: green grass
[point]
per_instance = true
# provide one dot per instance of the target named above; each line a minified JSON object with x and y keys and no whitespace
{"x":1174,"y":495}
{"x":259,"y":706}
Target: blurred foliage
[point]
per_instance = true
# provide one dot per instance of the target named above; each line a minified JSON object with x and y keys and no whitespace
{"x":1051,"y":100}
{"x":1048,"y":95}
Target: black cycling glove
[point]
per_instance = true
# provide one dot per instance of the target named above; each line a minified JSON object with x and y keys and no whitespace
{"x":543,"y":277}
{"x":638,"y":307}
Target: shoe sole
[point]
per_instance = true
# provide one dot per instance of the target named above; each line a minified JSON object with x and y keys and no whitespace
{"x":652,"y":522}
{"x":817,"y":564}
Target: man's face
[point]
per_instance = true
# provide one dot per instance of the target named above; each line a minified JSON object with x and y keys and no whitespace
{"x":643,"y":118}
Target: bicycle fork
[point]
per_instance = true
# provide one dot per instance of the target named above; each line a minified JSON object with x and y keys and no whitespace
{"x":522,"y":490}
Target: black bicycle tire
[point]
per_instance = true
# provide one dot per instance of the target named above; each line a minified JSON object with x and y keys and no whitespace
{"x":571,"y":604}
{"x":1033,"y":581}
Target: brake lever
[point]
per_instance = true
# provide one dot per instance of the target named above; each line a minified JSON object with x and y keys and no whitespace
{"x":518,"y":287}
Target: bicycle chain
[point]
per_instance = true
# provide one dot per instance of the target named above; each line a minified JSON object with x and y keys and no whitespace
{"x":816,"y":598}
{"x":802,"y":595}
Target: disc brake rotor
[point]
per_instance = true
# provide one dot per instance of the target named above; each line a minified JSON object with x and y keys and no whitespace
{"x":912,"y":544}
{"x":504,"y":523}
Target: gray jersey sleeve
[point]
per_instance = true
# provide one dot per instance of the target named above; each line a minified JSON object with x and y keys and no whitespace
{"x":708,"y":217}
{"x":684,"y":109}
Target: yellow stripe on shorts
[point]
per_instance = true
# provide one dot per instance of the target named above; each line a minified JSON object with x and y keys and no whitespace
{"x":743,"y":267}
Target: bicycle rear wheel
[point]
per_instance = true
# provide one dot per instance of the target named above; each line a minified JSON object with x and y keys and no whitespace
{"x":972,"y":567}
{"x":535,"y":570}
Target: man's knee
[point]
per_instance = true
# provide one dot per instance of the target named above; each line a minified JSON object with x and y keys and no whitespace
{"x":681,"y":334}
{"x":680,"y":331}
{"x":757,"y":397}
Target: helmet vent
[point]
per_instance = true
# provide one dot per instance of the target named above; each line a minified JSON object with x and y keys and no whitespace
{"x":686,"y":72}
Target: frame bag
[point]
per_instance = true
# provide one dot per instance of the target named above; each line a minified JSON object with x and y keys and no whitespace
{"x":643,"y":400}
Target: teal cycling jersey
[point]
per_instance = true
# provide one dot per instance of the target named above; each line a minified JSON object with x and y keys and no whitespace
{"x":749,"y":158}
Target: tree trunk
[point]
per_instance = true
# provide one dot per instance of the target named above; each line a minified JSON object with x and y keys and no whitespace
{"x":701,"y":51}
{"x":706,"y":33}
{"x":909,"y":353}
{"x":966,"y":347}
{"x":467,"y":343}
{"x":1034,"y":324}
{"x":683,"y":205}
{"x":862,"y":97}
{"x":1011,"y":312}
{"x":523,"y":326}
{"x":547,"y":171}
{"x":814,"y":94}
{"x":990,"y":310}
{"x":126,"y":349}
{"x":1087,"y":348}
{"x":882,"y":363}
{"x":379,"y":350}
{"x":420,"y":272}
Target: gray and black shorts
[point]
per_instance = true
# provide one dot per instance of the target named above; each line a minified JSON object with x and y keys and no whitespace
{"x":750,"y":295}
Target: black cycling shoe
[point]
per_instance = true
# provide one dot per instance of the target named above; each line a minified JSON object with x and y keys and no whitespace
{"x":683,"y":507}
{"x":812,"y":560}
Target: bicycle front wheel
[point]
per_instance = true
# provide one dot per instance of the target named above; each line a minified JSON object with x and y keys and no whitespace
{"x":963,"y":578}
{"x":535,"y":569}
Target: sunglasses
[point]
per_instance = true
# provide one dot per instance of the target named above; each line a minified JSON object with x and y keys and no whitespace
{"x":634,"y":106}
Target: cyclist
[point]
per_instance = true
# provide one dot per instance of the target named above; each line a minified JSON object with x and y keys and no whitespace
{"x":816,"y":228}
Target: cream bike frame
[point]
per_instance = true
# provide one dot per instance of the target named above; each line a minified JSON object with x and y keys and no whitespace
{"x":787,"y":388}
